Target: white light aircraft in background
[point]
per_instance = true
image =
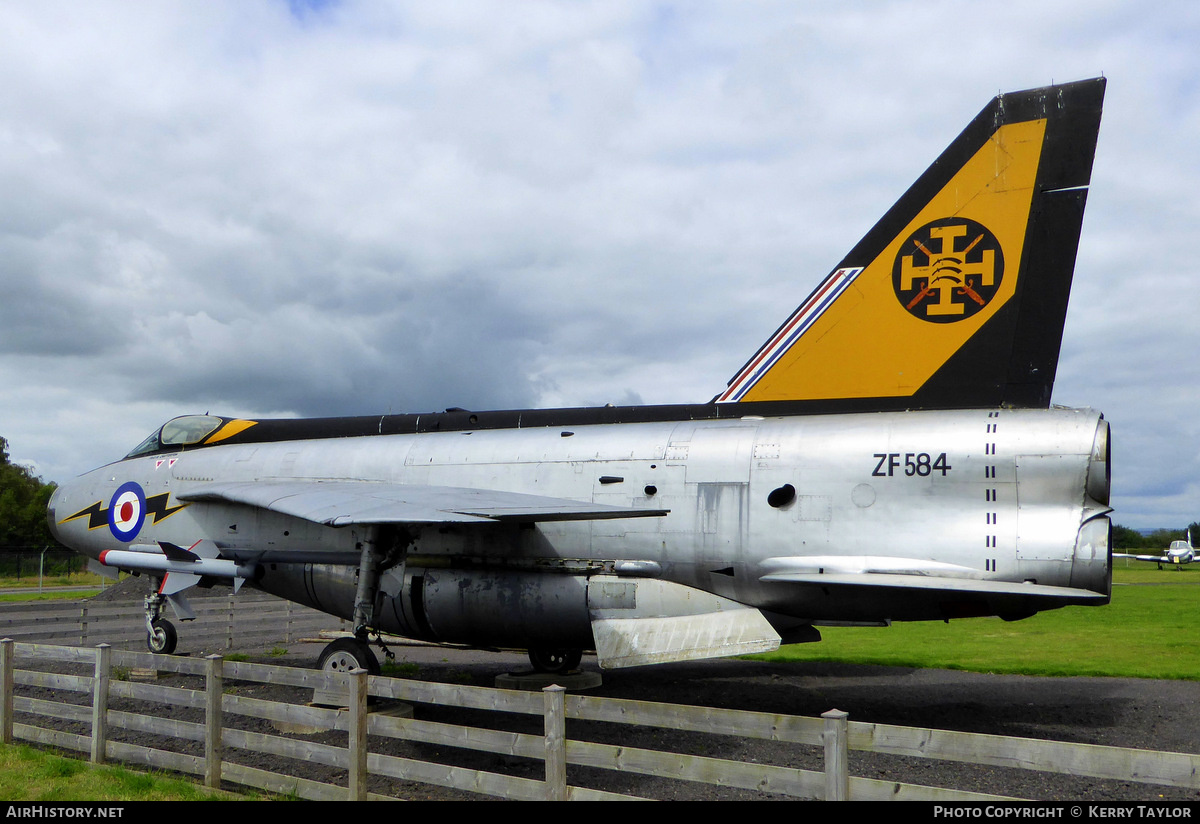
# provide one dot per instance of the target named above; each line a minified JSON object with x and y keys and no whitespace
{"x":1178,"y":555}
{"x":890,"y":454}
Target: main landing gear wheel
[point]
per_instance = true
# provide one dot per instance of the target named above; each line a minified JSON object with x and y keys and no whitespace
{"x":555,"y":660}
{"x":162,"y":637}
{"x":346,"y":654}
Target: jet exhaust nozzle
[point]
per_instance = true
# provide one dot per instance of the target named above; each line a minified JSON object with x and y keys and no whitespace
{"x":1091,"y":566}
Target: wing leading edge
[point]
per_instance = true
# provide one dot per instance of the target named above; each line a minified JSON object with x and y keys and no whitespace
{"x":954,"y":586}
{"x":342,"y":503}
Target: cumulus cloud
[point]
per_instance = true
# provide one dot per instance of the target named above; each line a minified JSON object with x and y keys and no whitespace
{"x":317,"y":208}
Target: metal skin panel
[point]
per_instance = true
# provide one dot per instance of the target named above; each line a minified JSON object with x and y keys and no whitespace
{"x":956,"y":496}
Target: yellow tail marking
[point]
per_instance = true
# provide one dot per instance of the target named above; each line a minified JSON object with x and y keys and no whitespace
{"x":869,"y":342}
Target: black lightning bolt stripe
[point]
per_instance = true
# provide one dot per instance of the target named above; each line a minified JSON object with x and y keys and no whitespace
{"x":97,"y":516}
{"x":156,"y":506}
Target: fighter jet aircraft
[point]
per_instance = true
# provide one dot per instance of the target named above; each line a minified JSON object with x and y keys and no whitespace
{"x":1178,"y":555}
{"x":889,"y":454}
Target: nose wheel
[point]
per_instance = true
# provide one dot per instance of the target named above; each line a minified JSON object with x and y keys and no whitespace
{"x":162,"y":637}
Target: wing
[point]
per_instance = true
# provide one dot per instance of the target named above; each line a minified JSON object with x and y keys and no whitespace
{"x":341,"y":503}
{"x":1154,"y":559}
{"x":964,"y":586}
{"x":915,"y":589}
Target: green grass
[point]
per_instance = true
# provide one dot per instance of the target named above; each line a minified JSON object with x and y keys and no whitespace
{"x":27,"y":774}
{"x":74,"y":595}
{"x":79,"y":579}
{"x":1146,"y":632}
{"x":400,"y":669}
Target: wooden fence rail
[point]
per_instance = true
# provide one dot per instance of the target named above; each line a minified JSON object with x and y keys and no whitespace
{"x":89,"y":621}
{"x":205,"y":726}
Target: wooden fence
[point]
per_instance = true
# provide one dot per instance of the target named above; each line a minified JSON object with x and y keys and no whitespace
{"x":211,"y":725}
{"x":222,"y":621}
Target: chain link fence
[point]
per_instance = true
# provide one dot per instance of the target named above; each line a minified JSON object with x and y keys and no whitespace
{"x":22,"y":563}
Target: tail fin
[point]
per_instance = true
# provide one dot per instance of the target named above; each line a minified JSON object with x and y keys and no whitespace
{"x":957,"y":297}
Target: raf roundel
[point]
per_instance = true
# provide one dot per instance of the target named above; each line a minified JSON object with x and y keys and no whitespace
{"x":127,"y":512}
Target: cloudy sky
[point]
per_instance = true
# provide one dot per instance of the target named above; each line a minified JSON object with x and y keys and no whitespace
{"x":324,"y":208}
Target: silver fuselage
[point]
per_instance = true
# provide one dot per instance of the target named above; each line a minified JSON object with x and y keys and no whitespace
{"x":979,"y":495}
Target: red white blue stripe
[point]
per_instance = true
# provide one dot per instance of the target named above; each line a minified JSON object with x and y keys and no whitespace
{"x":800,"y":321}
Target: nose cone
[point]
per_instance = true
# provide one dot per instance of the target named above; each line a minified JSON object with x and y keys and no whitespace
{"x":51,"y":517}
{"x":75,"y":511}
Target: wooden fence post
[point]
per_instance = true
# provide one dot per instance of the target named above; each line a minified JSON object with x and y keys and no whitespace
{"x":6,"y":690}
{"x":100,"y":680}
{"x":837,"y":755}
{"x":555,"y":727}
{"x":214,"y":690}
{"x":229,"y":625}
{"x":358,"y":734}
{"x":83,"y":622}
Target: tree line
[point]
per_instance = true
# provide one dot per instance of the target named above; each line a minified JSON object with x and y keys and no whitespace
{"x":1126,"y":538}
{"x":23,"y":500}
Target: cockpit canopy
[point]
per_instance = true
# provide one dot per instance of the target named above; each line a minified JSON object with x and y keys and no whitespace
{"x":175,"y":434}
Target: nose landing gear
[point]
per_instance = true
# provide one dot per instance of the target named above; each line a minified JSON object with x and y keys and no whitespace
{"x":161,"y":637}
